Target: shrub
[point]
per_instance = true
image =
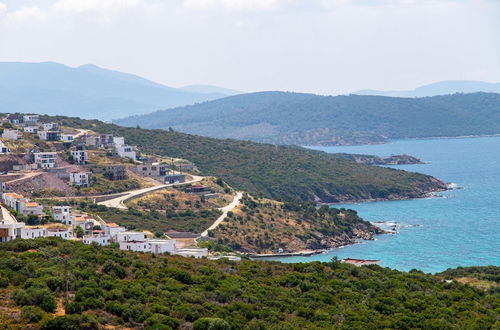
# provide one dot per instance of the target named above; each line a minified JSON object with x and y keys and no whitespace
{"x":4,"y":282}
{"x":31,"y":314}
{"x":71,"y":322}
{"x":155,"y":321}
{"x":112,"y":268}
{"x":209,"y":323}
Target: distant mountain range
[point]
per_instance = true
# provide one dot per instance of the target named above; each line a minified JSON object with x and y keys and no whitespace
{"x":308,"y":119}
{"x":440,"y":88}
{"x":89,"y":91}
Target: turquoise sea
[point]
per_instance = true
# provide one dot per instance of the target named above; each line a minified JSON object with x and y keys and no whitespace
{"x":460,"y":227}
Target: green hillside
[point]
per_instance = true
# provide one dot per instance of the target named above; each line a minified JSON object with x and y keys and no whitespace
{"x":55,"y":284}
{"x":307,"y":119}
{"x":277,"y":172}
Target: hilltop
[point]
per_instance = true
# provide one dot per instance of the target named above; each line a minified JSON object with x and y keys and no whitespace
{"x":89,"y":91}
{"x":308,"y":119}
{"x":56,"y":284}
{"x":439,"y":88}
{"x":276,"y":172}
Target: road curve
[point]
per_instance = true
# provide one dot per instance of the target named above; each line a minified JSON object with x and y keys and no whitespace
{"x":118,"y":201}
{"x":225,"y":210}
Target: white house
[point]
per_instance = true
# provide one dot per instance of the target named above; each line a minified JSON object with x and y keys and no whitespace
{"x":45,"y":159}
{"x":80,"y":156}
{"x":31,"y":129}
{"x":162,"y":245}
{"x":33,"y":232}
{"x":62,"y":214}
{"x":66,"y":137}
{"x":126,"y":151}
{"x":3,"y":148}
{"x":31,"y":118}
{"x":112,"y":230}
{"x":15,"y":118}
{"x":11,"y":200}
{"x":50,"y":126}
{"x":27,"y":207}
{"x":98,"y":239}
{"x":85,"y":222}
{"x":11,"y":134}
{"x":118,"y":141}
{"x":10,"y":230}
{"x":49,"y":135}
{"x":80,"y":179}
{"x":130,"y":236}
{"x":62,"y":233}
{"x":136,"y":246}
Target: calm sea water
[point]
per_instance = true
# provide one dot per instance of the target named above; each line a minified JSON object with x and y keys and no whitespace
{"x":458,"y":228}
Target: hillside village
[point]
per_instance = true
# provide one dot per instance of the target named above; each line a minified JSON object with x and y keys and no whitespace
{"x":46,"y":168}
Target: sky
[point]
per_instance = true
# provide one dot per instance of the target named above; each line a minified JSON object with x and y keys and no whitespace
{"x":318,"y":46}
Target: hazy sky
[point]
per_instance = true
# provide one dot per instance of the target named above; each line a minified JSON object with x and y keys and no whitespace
{"x":322,"y":46}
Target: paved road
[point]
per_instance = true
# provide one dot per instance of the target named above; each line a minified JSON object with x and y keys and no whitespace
{"x":225,"y":210}
{"x":118,"y":201}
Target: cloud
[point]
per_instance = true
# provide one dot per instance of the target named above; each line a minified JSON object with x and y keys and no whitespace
{"x":23,"y":15}
{"x":79,"y":6}
{"x":236,"y":5}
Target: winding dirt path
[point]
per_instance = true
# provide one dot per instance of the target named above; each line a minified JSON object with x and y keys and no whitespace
{"x":118,"y":202}
{"x":225,"y":210}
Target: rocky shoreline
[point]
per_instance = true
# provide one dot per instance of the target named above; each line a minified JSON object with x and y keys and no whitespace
{"x":419,"y":192}
{"x":403,"y":159}
{"x":338,"y":243}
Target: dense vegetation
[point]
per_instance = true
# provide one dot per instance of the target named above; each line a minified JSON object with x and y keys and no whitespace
{"x":92,"y":286}
{"x":265,"y":226}
{"x":307,"y":119}
{"x":276,"y":172}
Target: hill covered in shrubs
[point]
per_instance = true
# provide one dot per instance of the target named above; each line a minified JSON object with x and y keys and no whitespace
{"x":277,"y":172}
{"x":308,"y":119}
{"x":55,"y":284}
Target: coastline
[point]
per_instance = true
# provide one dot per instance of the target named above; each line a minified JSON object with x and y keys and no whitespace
{"x":403,"y":139}
{"x":430,"y":194}
{"x":308,"y":253}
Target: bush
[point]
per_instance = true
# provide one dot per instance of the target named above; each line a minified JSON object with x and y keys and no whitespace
{"x":112,"y":268}
{"x":4,"y":282}
{"x":209,"y":323}
{"x":31,"y":314}
{"x":71,"y":322}
{"x":37,"y":297}
{"x":155,"y":321}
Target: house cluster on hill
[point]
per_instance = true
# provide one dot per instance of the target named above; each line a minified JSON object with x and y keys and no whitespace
{"x":66,"y":146}
{"x":45,"y":149}
{"x":80,"y":227}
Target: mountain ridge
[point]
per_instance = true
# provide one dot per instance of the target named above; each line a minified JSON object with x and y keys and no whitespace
{"x":87,"y":91}
{"x":308,"y":119}
{"x":438,"y":88}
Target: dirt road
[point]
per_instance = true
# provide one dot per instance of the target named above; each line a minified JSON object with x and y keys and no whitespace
{"x":225,"y":210}
{"x":118,"y":202}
